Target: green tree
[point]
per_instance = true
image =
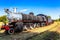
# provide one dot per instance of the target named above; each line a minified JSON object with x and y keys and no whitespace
{"x":49,"y":16}
{"x":3,"y":19}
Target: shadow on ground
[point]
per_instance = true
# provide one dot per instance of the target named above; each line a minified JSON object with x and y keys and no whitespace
{"x":47,"y":35}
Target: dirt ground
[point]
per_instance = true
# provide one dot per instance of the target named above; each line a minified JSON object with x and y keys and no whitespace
{"x":25,"y":34}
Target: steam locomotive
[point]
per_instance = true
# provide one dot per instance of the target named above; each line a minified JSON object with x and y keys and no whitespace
{"x":19,"y":21}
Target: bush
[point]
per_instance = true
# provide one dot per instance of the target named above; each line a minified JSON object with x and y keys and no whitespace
{"x":3,"y":19}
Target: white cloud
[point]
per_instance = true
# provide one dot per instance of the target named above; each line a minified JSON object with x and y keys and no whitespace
{"x":24,"y":10}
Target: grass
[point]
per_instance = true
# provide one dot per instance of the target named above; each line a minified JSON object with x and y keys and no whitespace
{"x":47,"y":36}
{"x":43,"y":36}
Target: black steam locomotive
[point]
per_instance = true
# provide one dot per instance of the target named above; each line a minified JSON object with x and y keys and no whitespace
{"x":20,"y":21}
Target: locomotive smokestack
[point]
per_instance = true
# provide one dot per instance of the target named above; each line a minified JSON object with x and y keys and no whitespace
{"x":6,"y":10}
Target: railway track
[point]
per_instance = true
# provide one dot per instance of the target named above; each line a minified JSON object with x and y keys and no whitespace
{"x":25,"y":35}
{"x":51,"y":29}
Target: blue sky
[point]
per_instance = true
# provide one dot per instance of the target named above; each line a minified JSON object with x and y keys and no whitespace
{"x":47,"y":7}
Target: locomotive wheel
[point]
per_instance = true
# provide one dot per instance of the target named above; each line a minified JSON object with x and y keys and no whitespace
{"x":31,"y":26}
{"x":19,"y":27}
{"x":42,"y":24}
{"x":11,"y":31}
{"x":38,"y":25}
{"x":34,"y":25}
{"x":25,"y":28}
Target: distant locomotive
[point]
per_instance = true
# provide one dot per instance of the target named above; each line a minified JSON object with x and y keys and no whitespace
{"x":19,"y":21}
